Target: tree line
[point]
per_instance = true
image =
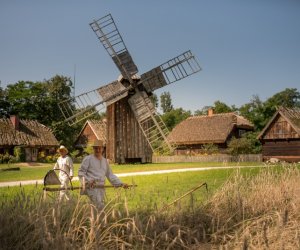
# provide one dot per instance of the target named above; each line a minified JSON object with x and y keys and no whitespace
{"x":39,"y":101}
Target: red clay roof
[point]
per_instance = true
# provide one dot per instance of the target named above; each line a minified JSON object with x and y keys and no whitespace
{"x":30,"y":133}
{"x":207,"y":129}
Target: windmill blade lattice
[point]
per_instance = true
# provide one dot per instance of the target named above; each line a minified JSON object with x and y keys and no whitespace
{"x":171,"y":71}
{"x":108,"y":92}
{"x":108,"y":34}
{"x":153,"y":127}
{"x":81,"y":107}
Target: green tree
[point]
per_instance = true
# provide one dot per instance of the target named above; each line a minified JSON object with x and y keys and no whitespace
{"x":218,"y":107}
{"x":259,"y":113}
{"x":166,"y":102}
{"x":221,"y":107}
{"x":4,"y":104}
{"x":175,"y":116}
{"x":39,"y":101}
{"x":254,"y":112}
{"x":154,"y":100}
{"x":203,"y":111}
{"x":289,"y":98}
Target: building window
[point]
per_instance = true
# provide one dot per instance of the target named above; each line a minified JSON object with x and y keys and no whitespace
{"x":241,"y":132}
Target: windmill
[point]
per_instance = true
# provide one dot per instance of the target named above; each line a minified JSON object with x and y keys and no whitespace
{"x":135,"y":129}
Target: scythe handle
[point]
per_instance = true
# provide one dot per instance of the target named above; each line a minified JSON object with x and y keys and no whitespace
{"x":53,"y":189}
{"x":189,"y":192}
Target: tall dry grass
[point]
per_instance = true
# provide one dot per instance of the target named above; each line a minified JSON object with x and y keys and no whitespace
{"x":260,"y":212}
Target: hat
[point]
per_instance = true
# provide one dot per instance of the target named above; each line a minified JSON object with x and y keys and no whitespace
{"x":97,"y":143}
{"x":62,"y":148}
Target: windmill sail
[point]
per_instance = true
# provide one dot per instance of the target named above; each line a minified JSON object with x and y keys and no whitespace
{"x":81,"y":107}
{"x":171,"y":71}
{"x":153,"y":127}
{"x":108,"y":34}
{"x":108,"y":92}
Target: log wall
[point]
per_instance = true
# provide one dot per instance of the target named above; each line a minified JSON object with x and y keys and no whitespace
{"x":125,"y":139}
{"x":280,"y":129}
{"x":281,"y":141}
{"x":288,"y":150}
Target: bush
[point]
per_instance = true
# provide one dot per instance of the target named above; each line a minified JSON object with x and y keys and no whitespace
{"x":19,"y":153}
{"x":247,"y":144}
{"x":41,"y":156}
{"x":6,"y":158}
{"x":210,"y":148}
{"x":50,"y":158}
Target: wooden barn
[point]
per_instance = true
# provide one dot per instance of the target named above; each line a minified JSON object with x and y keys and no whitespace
{"x":126,"y":142}
{"x":33,"y":136}
{"x":191,"y":134}
{"x":92,"y":130}
{"x":280,"y":138}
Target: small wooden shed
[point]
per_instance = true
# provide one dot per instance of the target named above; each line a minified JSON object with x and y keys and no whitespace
{"x":191,"y":134}
{"x":280,"y":138}
{"x":92,"y":130}
{"x":33,"y":136}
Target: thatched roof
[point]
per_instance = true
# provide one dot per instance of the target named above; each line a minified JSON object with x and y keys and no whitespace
{"x":213,"y":128}
{"x":28,"y":133}
{"x":291,"y":115}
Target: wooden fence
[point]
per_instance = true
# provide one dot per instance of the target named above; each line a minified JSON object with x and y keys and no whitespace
{"x":208,"y":158}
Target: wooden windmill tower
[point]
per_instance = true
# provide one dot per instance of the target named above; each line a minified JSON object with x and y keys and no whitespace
{"x":135,"y":129}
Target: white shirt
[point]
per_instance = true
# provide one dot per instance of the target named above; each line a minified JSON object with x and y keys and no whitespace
{"x":65,"y":164}
{"x":93,"y":169}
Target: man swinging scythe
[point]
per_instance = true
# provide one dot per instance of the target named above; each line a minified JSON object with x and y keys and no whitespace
{"x":93,"y":170}
{"x":92,"y":173}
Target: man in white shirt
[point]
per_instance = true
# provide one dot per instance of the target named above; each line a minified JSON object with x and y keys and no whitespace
{"x":94,"y":170}
{"x":65,"y":164}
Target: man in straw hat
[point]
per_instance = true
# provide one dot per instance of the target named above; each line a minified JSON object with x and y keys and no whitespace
{"x":65,"y":164}
{"x":94,"y":170}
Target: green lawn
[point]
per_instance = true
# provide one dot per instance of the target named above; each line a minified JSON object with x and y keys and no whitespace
{"x":38,"y":172}
{"x":153,"y":191}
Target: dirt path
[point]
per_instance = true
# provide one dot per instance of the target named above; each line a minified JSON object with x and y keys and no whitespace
{"x":33,"y":182}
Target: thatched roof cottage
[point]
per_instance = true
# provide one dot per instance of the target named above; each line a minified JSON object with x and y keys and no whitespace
{"x":191,"y":134}
{"x":29,"y":134}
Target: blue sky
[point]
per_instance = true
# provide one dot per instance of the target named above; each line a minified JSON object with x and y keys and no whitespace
{"x":245,"y":47}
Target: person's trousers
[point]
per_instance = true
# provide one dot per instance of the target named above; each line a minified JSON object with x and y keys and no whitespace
{"x":64,"y":194}
{"x":97,"y":196}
